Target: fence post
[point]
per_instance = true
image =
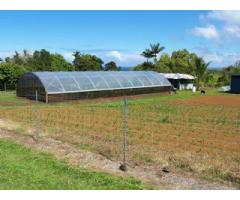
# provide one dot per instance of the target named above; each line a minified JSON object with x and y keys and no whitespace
{"x":123,"y":166}
{"x":5,"y":86}
{"x":37,"y":122}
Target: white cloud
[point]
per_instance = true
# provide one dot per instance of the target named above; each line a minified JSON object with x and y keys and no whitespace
{"x":227,"y":16}
{"x":216,"y":57}
{"x":220,"y":59}
{"x":68,"y":56}
{"x":124,"y":58}
{"x":227,"y":21}
{"x":208,"y":32}
{"x":232,"y":30}
{"x":4,"y":54}
{"x":115,"y":54}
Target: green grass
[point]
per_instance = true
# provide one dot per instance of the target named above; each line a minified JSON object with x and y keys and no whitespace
{"x":9,"y":99}
{"x":160,"y":99}
{"x":23,"y":168}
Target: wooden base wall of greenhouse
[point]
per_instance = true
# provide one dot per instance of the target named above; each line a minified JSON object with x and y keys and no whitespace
{"x":48,"y":98}
{"x":104,"y":94}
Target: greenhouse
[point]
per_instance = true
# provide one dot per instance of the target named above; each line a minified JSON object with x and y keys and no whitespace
{"x":58,"y":86}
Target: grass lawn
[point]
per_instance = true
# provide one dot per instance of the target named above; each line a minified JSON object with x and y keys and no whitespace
{"x":23,"y":168}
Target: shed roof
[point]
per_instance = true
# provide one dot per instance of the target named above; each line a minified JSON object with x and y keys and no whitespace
{"x":236,"y":74}
{"x":178,"y":76}
{"x":69,"y":82}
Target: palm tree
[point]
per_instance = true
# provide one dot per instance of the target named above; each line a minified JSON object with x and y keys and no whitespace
{"x":200,"y":70}
{"x":76,"y":54}
{"x":156,"y":49}
{"x":147,"y":54}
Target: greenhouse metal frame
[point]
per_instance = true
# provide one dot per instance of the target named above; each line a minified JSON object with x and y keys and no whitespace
{"x":58,"y":86}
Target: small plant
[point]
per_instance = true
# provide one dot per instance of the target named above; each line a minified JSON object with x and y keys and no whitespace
{"x":166,"y":119}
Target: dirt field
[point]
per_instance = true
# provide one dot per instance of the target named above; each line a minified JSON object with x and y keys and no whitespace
{"x":188,"y":132}
{"x":216,"y":100}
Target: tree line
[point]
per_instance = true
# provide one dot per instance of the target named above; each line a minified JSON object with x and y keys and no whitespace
{"x":180,"y":61}
{"x":183,"y":61}
{"x":11,"y":68}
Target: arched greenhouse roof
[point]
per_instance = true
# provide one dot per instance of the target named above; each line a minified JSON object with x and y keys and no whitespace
{"x":70,"y":82}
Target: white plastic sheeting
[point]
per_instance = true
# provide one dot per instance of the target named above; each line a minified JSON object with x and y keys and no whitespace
{"x":69,"y":82}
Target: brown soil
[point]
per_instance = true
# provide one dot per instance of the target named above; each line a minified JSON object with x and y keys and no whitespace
{"x":211,"y":100}
{"x":148,"y":174}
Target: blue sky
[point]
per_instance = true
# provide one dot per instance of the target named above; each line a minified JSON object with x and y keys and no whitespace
{"x":122,"y":35}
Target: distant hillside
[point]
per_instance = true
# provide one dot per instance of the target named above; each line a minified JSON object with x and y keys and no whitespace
{"x":126,"y":68}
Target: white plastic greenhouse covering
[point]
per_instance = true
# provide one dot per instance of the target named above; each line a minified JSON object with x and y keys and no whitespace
{"x":70,"y":82}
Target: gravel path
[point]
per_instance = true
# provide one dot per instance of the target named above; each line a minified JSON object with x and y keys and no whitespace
{"x":85,"y":159}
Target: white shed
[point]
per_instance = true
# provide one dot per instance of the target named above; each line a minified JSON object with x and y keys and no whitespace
{"x":180,"y":81}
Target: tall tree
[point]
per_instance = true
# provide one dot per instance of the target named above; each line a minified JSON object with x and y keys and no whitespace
{"x":211,"y":78}
{"x":7,"y":59}
{"x":153,"y":52}
{"x":87,"y":62}
{"x":156,"y":49}
{"x":237,"y":65}
{"x":182,"y":61}
{"x":17,"y":59}
{"x":147,"y":54}
{"x":111,"y":66}
{"x":146,"y":66}
{"x":164,"y":64}
{"x":58,"y":63}
{"x":41,"y":60}
{"x":76,"y":56}
{"x":200,"y":70}
{"x":226,"y":72}
{"x":9,"y":73}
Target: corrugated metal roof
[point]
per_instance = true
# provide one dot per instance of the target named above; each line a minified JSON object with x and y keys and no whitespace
{"x":177,"y":76}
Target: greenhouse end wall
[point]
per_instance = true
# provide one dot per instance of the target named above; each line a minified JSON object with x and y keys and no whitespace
{"x":27,"y":86}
